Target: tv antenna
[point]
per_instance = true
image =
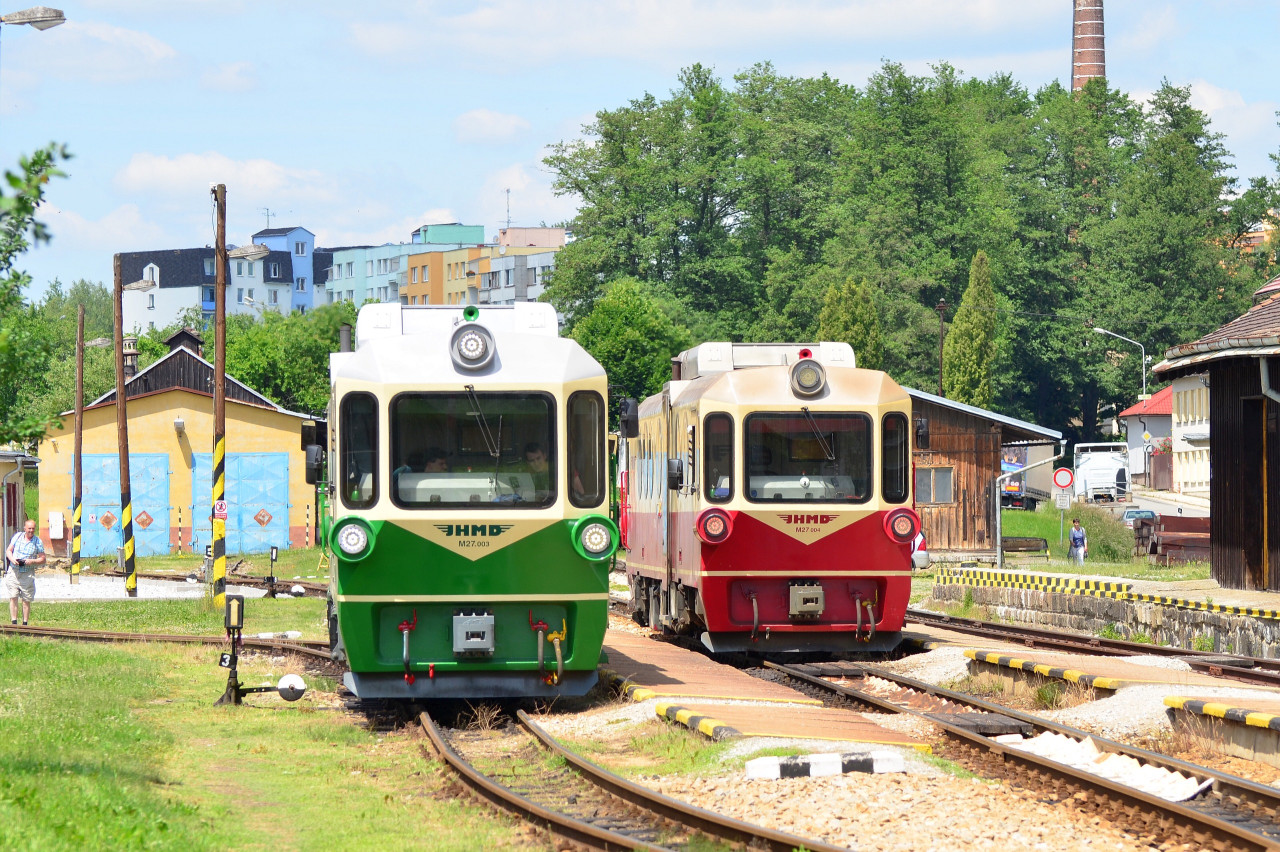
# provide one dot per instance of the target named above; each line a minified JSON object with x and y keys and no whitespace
{"x":268,"y":213}
{"x":508,"y":209}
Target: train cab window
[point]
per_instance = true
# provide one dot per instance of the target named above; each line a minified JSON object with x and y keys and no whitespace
{"x":808,"y":457}
{"x":359,"y":452}
{"x":895,"y":458}
{"x":472,"y":449}
{"x":586,"y":449}
{"x":717,"y":455}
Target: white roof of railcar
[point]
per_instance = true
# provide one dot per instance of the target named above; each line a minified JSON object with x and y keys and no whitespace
{"x":409,"y":345}
{"x":721,"y":357}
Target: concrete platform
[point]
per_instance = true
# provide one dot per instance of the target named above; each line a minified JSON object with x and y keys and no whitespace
{"x":1097,"y":672}
{"x":722,"y":702}
{"x":1241,"y":727}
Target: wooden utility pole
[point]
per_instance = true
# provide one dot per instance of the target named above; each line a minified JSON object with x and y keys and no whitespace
{"x":220,"y":401}
{"x":78,"y":469}
{"x":942,"y":334}
{"x":122,"y":438}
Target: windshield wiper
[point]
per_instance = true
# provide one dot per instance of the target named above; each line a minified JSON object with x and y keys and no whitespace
{"x":489,"y":442}
{"x":813,"y":424}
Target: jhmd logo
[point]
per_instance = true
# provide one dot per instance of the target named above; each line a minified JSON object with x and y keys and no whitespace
{"x":807,"y":520}
{"x":808,"y":527}
{"x":473,"y":530}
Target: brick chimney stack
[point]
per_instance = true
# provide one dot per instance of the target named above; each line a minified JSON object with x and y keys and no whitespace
{"x":1088,"y":43}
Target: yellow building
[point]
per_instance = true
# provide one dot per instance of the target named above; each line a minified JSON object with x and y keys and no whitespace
{"x":441,"y":277}
{"x":170,"y":411}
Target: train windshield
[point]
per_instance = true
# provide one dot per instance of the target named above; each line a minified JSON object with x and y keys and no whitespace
{"x":473,"y":449}
{"x":808,"y":457}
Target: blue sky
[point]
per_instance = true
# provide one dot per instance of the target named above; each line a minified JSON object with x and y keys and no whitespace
{"x":361,"y":121}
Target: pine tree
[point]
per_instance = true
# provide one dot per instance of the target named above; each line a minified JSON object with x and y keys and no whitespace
{"x":969,"y":350}
{"x":849,"y":315}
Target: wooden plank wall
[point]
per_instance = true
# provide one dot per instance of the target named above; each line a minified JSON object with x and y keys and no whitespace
{"x":1237,"y":483}
{"x":970,"y":445}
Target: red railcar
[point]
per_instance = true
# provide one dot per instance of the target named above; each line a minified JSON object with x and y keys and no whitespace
{"x":768,"y":500}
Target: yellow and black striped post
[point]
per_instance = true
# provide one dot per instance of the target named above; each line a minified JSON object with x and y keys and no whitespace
{"x":122,"y":429}
{"x":219,"y":524}
{"x":219,"y":577}
{"x":77,"y":469}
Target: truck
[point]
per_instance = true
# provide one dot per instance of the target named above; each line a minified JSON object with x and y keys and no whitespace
{"x":1016,"y":492}
{"x":1102,"y":472}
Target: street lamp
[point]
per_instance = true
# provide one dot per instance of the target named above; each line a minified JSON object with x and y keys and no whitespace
{"x":39,"y":17}
{"x":1142,"y":366}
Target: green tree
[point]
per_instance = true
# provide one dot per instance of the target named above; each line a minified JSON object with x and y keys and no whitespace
{"x":286,"y":358}
{"x":21,"y":346}
{"x":849,"y":315}
{"x":969,"y":349}
{"x":633,"y":337}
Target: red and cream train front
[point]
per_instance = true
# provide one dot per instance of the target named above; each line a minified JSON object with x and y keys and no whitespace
{"x":768,"y":500}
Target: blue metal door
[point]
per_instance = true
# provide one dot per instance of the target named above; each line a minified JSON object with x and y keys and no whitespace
{"x":149,"y":481}
{"x":257,"y":501}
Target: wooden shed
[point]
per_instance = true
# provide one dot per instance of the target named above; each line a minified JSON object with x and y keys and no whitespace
{"x":1242,"y":362}
{"x":955,"y":476}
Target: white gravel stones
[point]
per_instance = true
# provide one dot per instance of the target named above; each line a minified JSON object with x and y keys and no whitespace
{"x":1170,"y":663}
{"x":939,"y":666}
{"x":1085,"y":756}
{"x":58,"y":587}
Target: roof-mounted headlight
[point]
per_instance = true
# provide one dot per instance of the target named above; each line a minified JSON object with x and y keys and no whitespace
{"x":471,"y":347}
{"x":808,"y":378}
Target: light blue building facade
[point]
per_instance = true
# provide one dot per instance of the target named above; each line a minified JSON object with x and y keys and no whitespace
{"x":306,"y":275}
{"x":361,"y":274}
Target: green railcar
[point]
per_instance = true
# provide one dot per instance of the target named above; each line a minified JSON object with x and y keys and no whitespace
{"x":467,"y":504}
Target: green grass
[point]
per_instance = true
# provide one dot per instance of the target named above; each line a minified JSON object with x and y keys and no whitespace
{"x":950,"y":767}
{"x":113,"y":747}
{"x":185,"y":617}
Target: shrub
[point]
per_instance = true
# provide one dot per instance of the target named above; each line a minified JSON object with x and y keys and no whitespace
{"x":1109,"y":539}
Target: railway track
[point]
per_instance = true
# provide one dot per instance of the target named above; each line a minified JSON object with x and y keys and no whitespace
{"x":1256,"y":670}
{"x":304,"y":647}
{"x":1225,"y":812}
{"x":525,"y":771}
{"x":310,"y":589}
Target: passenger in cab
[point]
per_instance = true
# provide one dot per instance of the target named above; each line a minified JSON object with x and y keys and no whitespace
{"x":437,"y":461}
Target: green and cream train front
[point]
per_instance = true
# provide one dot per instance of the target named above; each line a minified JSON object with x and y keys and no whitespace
{"x":468,"y":522}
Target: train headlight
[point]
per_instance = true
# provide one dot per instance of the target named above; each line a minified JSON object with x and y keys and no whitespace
{"x":595,"y":537}
{"x":354,"y":538}
{"x":714,"y":526}
{"x":902,"y":525}
{"x":808,"y":378}
{"x":472,"y":347}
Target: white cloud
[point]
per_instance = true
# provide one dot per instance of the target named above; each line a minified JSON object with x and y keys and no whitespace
{"x":232,"y":77}
{"x":184,"y":180}
{"x":532,"y":199}
{"x":122,"y":229}
{"x":1157,"y":28}
{"x":1250,"y":127}
{"x":645,"y":29}
{"x":347,"y":233}
{"x":486,"y":126}
{"x":90,"y":51}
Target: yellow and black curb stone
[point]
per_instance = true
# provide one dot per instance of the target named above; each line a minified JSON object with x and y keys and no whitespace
{"x":1240,"y":715}
{"x":705,"y":725}
{"x":1072,"y":675}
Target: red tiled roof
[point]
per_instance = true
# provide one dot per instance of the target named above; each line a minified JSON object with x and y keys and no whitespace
{"x":1161,"y":402}
{"x":1271,"y":287}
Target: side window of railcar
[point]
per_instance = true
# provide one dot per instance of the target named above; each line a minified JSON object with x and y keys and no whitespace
{"x":895,"y":461}
{"x":359,"y":415}
{"x":717,"y":455}
{"x":586,"y":449}
{"x":482,"y":449}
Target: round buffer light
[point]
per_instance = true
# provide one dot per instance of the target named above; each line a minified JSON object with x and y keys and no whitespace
{"x":595,"y":537}
{"x":353,"y":538}
{"x":714,"y":526}
{"x":808,"y":378}
{"x":472,"y":347}
{"x":902,"y":525}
